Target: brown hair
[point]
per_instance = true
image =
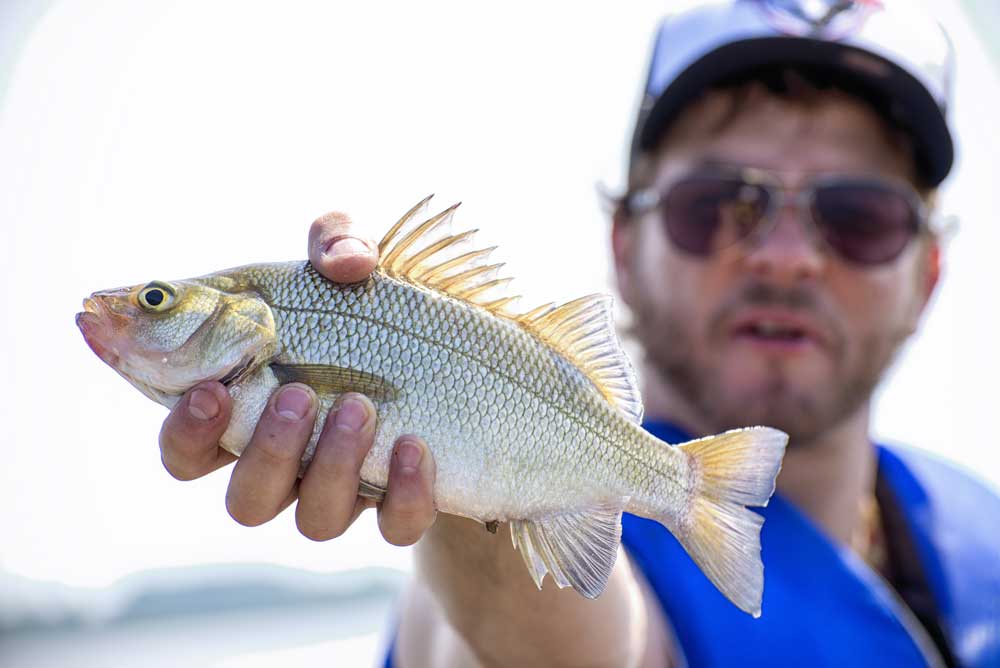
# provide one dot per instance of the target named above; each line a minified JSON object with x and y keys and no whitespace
{"x":799,"y":85}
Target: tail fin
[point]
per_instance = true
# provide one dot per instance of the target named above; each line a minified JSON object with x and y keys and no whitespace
{"x":731,"y":470}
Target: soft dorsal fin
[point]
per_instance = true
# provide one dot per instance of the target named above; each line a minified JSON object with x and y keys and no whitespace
{"x":584,"y":331}
{"x":427,"y":253}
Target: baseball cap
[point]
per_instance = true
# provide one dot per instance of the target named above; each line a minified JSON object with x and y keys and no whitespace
{"x":898,"y":57}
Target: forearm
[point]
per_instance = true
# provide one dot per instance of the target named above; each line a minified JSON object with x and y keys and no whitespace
{"x":483,"y":594}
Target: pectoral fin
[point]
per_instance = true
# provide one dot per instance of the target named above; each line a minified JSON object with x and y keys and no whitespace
{"x":326,"y":379}
{"x":578,"y":548}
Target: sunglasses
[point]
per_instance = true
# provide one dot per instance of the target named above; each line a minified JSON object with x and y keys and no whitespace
{"x":865,"y":220}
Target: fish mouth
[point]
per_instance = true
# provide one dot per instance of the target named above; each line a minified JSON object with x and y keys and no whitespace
{"x":92,"y":324}
{"x":91,"y":305}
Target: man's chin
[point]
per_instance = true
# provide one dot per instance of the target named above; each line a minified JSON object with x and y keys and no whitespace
{"x":745,"y":369}
{"x":803,"y":415}
{"x":801,"y":411}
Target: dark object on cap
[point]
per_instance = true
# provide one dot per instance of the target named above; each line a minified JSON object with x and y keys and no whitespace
{"x":887,"y":51}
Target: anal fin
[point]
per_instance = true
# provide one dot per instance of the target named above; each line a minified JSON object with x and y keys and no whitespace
{"x":578,"y":547}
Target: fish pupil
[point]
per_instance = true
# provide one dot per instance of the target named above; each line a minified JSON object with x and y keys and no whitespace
{"x":154,"y":297}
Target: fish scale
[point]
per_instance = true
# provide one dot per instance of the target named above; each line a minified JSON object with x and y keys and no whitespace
{"x":437,"y":329}
{"x":532,"y":418}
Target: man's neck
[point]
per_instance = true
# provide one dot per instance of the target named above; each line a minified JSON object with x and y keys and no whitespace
{"x":826,"y":478}
{"x":829,"y":477}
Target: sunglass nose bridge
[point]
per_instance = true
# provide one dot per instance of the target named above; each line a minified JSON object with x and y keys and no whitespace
{"x":782,"y":202}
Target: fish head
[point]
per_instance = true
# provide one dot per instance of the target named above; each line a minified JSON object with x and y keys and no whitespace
{"x":164,"y":338}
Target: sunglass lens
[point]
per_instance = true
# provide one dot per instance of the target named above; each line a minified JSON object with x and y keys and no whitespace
{"x":705,"y":213}
{"x":866,"y":223}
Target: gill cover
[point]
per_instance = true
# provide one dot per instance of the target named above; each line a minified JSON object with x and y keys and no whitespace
{"x":165,"y":337}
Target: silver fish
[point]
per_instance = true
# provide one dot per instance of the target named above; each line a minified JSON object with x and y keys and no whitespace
{"x":532,"y":418}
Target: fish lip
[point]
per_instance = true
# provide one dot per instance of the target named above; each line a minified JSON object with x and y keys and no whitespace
{"x":91,"y":305}
{"x":89,"y":324}
{"x":789,"y":318}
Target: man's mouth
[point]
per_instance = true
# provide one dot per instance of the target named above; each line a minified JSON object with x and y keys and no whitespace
{"x":778,"y":331}
{"x":769,"y":329}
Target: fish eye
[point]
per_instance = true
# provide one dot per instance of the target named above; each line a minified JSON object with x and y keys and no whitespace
{"x":156,"y":296}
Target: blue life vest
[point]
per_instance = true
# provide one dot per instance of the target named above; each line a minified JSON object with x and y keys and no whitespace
{"x":823,"y":606}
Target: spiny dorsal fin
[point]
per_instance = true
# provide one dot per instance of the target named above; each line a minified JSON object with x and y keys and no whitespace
{"x":426,"y":253}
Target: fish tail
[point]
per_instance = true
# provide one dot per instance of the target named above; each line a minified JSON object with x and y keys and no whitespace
{"x":729,"y":472}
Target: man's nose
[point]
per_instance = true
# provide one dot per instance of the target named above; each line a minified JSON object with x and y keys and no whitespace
{"x":790,"y":250}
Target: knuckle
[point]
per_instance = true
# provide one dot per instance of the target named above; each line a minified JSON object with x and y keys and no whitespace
{"x":180,"y":472}
{"x":404,"y":524}
{"x":401,"y":536}
{"x":169,"y":437}
{"x":319,"y":532}
{"x":186,"y":442}
{"x":279,"y":448}
{"x":340,"y":451}
{"x":344,"y":452}
{"x":243,"y":515}
{"x":180,"y":450}
{"x":278,"y":443}
{"x":180,"y":459}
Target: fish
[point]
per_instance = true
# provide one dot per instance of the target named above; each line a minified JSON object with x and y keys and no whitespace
{"x":533,"y":418}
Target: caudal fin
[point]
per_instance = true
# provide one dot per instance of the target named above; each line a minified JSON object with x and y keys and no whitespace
{"x":731,"y":471}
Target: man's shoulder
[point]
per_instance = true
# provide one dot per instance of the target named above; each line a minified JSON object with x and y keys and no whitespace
{"x":954,"y":508}
{"x":952,"y":514}
{"x":927,"y":476}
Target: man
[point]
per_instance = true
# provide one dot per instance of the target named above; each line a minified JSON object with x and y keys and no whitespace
{"x":775,"y":250}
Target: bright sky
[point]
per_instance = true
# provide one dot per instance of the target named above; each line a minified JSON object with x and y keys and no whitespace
{"x":170,"y":139}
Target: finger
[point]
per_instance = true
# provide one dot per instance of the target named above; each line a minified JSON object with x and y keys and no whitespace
{"x":336,"y":253}
{"x":408,"y":508}
{"x":265,"y":474}
{"x":328,"y":495}
{"x":189,"y":438}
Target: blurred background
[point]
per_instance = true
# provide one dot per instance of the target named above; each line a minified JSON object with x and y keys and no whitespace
{"x":170,"y":139}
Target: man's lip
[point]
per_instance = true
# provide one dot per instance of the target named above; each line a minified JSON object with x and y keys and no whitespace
{"x":807,"y":327}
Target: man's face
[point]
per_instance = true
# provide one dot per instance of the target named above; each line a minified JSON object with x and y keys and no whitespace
{"x":783,"y":331}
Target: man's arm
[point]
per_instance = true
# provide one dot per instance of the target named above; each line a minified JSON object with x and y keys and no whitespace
{"x":472,"y":595}
{"x":473,"y":603}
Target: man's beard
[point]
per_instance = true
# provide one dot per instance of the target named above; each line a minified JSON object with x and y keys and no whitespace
{"x":804,"y":413}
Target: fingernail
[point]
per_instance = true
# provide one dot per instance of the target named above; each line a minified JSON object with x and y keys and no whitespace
{"x":293,"y":403}
{"x":347,"y":246}
{"x":203,"y":405}
{"x":352,"y":414}
{"x":408,"y":454}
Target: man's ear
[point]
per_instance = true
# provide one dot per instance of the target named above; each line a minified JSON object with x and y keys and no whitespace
{"x":932,"y":267}
{"x":623,"y":233}
{"x":928,"y":275}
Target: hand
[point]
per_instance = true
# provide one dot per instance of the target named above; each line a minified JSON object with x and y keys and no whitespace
{"x":265,"y":479}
